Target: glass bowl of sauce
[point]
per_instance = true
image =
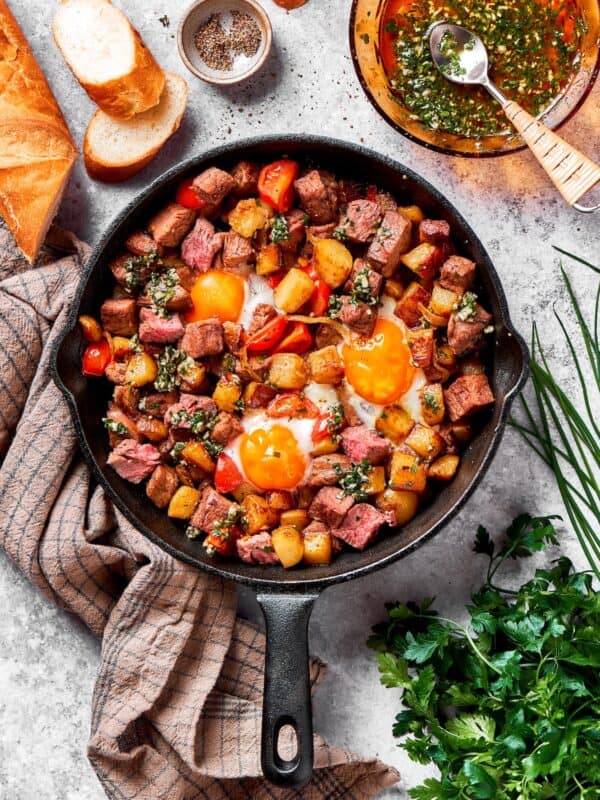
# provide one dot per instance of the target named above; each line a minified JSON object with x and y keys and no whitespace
{"x":543,"y":53}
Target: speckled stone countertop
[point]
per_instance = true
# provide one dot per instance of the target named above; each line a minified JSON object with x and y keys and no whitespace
{"x":47,"y":659}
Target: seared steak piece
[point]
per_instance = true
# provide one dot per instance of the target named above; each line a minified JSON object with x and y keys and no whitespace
{"x":115,"y":372}
{"x":317,"y":191}
{"x":296,"y":227}
{"x":237,"y":251}
{"x":326,"y":335}
{"x":245,"y":174}
{"x":466,"y":336}
{"x":116,"y":414}
{"x":158,"y":330}
{"x":261,"y":316}
{"x":467,"y":395}
{"x":232,"y":333}
{"x":203,"y":338}
{"x":359,"y":442}
{"x":345,"y":396}
{"x":226,"y":428}
{"x":393,"y":237}
{"x":386,"y":202}
{"x":361,"y":524}
{"x":127,"y":398}
{"x":257,"y":549}
{"x":360,"y":221}
{"x":201,"y":245}
{"x":321,"y":231}
{"x":119,"y":317}
{"x":212,"y":507}
{"x":361,"y":317}
{"x":213,"y":185}
{"x":141,"y":244}
{"x":172,"y":224}
{"x":367,"y":278}
{"x":190,"y":404}
{"x":181,"y":300}
{"x":323,"y":470}
{"x":434,"y":231}
{"x":157,"y":403}
{"x":162,"y":485}
{"x":133,"y":461}
{"x":458,"y":274}
{"x":330,"y":506}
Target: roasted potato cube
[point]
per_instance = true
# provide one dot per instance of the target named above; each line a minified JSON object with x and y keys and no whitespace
{"x":432,"y":403}
{"x":296,"y":517}
{"x":152,"y":429}
{"x":424,"y":260}
{"x":412,"y":213}
{"x":288,"y":545}
{"x":462,"y":432}
{"x":247,"y":217}
{"x":402,"y":503}
{"x":325,"y":446}
{"x":442,"y":300}
{"x":193,"y":376}
{"x":288,"y":371}
{"x":90,"y":328}
{"x":305,"y":496}
{"x":258,"y":395}
{"x":333,"y":261}
{"x":141,"y":369}
{"x":242,"y":491}
{"x":407,"y":307}
{"x":394,"y":288}
{"x":228,"y":392}
{"x":258,"y":515}
{"x":196,"y":454}
{"x":318,"y":548}
{"x":444,"y":468}
{"x":421,"y":347}
{"x":444,"y":357}
{"x":294,"y":290}
{"x":376,"y":481}
{"x":426,"y":442}
{"x":121,"y":347}
{"x":407,"y":472}
{"x":279,"y":501}
{"x":268,"y":259}
{"x":395,"y":423}
{"x":183,"y":502}
{"x":326,"y":365}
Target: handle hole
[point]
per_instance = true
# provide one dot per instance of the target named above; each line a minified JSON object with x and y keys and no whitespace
{"x":286,"y":746}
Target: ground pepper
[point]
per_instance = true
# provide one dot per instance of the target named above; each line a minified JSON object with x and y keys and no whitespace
{"x":218,"y":45}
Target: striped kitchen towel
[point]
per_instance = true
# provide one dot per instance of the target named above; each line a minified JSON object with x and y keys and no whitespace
{"x":177,"y":702}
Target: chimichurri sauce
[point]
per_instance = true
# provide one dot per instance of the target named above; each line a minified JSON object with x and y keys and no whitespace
{"x":533,"y":49}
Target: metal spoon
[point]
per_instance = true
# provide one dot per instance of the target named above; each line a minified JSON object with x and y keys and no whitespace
{"x":461,"y":57}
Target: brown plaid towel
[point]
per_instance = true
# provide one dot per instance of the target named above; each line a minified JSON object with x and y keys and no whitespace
{"x":177,"y":703}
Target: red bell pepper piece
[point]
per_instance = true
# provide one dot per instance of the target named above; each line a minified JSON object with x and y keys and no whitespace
{"x":96,"y":358}
{"x":276,"y":184}
{"x":326,"y":427}
{"x":222,"y":542}
{"x":275,"y":278}
{"x":291,"y":405}
{"x":319,"y":301}
{"x":268,"y":336}
{"x":298,"y":340}
{"x":188,"y":197}
{"x":227,"y":475}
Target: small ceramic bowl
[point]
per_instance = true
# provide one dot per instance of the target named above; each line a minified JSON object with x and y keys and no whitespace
{"x":243,"y":66}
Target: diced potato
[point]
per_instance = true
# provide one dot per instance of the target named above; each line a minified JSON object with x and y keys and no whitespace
{"x":407,"y":307}
{"x":242,"y":491}
{"x":294,"y":291}
{"x":333,"y":261}
{"x":247,"y":217}
{"x":90,"y":328}
{"x":442,"y":300}
{"x":318,"y":548}
{"x":407,"y":472}
{"x":462,"y":432}
{"x":196,"y":454}
{"x":444,"y":469}
{"x":296,"y":517}
{"x":325,"y":446}
{"x":121,"y":346}
{"x":228,"y":392}
{"x":424,"y":260}
{"x":432,"y":403}
{"x":402,"y":503}
{"x":421,"y":347}
{"x":305,"y":496}
{"x":259,"y":516}
{"x":394,"y":288}
{"x":152,"y":429}
{"x":279,"y":501}
{"x":444,"y":357}
{"x":412,"y":213}
{"x":426,"y":442}
{"x":268,"y":259}
{"x":288,"y":544}
{"x":183,"y":502}
{"x":269,"y":211}
{"x":395,"y":423}
{"x":141,"y":369}
{"x":193,"y":375}
{"x":376,"y":481}
{"x":326,"y":365}
{"x":288,"y":371}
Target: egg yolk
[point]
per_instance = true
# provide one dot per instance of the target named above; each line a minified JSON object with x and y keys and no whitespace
{"x":379,"y":368}
{"x":272,"y":459}
{"x":217,"y":294}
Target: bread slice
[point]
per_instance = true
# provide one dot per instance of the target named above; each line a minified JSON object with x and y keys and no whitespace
{"x":37,"y":152}
{"x":114,"y":150}
{"x":108,"y":57}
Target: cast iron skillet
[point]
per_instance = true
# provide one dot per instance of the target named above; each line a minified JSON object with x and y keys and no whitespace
{"x":287,"y":596}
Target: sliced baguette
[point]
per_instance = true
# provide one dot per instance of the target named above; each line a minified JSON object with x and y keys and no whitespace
{"x":108,"y":57}
{"x":114,"y":150}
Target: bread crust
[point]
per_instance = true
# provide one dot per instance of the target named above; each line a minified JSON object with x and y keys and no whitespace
{"x":37,"y":152}
{"x":123,"y":97}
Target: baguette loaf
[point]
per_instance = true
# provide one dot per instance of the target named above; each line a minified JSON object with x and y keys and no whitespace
{"x":37,"y":152}
{"x":108,"y":57}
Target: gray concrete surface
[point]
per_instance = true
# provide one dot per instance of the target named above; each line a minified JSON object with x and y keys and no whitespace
{"x":47,"y":660}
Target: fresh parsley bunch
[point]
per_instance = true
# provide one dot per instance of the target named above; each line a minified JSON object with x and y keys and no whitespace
{"x":508,"y":706}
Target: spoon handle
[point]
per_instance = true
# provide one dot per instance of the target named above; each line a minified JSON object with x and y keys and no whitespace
{"x":571,"y":171}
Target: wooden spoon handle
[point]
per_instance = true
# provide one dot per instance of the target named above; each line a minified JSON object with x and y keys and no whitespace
{"x":572,"y":173}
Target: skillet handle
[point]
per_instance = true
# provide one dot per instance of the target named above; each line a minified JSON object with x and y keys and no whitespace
{"x":287,"y":687}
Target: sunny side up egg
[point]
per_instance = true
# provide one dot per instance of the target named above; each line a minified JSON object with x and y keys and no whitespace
{"x":228,"y":296}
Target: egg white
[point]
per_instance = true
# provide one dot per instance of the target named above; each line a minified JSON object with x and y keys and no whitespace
{"x":256,"y":291}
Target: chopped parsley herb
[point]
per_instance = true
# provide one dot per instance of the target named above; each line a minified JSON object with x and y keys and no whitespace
{"x":161,"y":289}
{"x":361,"y":289}
{"x":431,"y":403}
{"x":383,"y":233}
{"x":164,"y":21}
{"x":335,"y":421}
{"x":136,"y":270}
{"x":239,"y":406}
{"x":352,"y":481}
{"x":335,"y":306}
{"x":280,"y":231}
{"x":306,"y":219}
{"x":340,"y":234}
{"x":201,"y":425}
{"x":229,"y":362}
{"x":365,"y":37}
{"x":176,"y":450}
{"x":113,"y":426}
{"x":192,"y":532}
{"x":135,"y":344}
{"x":170,"y":362}
{"x":391,"y":26}
{"x":467,"y":308}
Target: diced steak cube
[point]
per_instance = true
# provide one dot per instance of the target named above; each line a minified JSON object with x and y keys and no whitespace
{"x":141,"y":244}
{"x":127,"y":398}
{"x":232,"y":333}
{"x":237,"y":251}
{"x":212,"y":507}
{"x":133,"y":461}
{"x":171,"y":224}
{"x":386,"y":202}
{"x":324,"y":469}
{"x":261,"y":395}
{"x":118,"y":269}
{"x":326,"y":335}
{"x":187,"y":277}
{"x":296,"y":227}
{"x":360,"y":221}
{"x":360,"y":525}
{"x":367,"y":279}
{"x":117,"y":415}
{"x":257,"y":368}
{"x":181,"y":300}
{"x":162,"y":485}
{"x":458,"y":274}
{"x":393,"y":237}
{"x":213,"y":185}
{"x":226,"y":428}
{"x":321,"y":231}
{"x":467,"y":395}
{"x":115,"y":372}
{"x":201,"y":245}
{"x":157,"y":403}
{"x":359,"y":442}
{"x":330,"y":506}
{"x":119,"y":317}
{"x":361,"y":317}
{"x":317,"y":191}
{"x":346,"y":398}
{"x":466,"y":336}
{"x":261,"y":316}
{"x":245,"y":174}
{"x":159,"y":330}
{"x":189,"y":404}
{"x":203,"y":338}
{"x":257,"y":549}
{"x":434,"y":231}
